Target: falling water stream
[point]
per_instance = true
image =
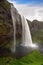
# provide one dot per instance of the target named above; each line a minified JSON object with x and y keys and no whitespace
{"x":13,"y":48}
{"x":26,"y":46}
{"x":26,"y":35}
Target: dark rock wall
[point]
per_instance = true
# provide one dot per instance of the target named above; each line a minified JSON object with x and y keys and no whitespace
{"x":35,"y":25}
{"x":6,"y":23}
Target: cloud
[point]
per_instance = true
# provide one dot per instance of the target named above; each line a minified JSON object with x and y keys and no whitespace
{"x":30,"y":12}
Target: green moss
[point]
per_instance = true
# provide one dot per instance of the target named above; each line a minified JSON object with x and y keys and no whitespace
{"x":5,"y":5}
{"x":9,"y":44}
{"x":38,"y":36}
{"x":2,"y":29}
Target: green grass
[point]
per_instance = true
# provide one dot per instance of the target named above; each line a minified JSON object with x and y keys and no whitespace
{"x":34,"y":58}
{"x":38,"y":36}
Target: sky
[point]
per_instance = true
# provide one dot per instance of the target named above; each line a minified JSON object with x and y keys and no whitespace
{"x":30,"y":9}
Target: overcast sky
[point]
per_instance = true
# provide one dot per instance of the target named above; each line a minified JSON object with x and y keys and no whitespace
{"x":31,"y":9}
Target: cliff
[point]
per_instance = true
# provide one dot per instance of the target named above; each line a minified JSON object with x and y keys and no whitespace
{"x":36,"y":28}
{"x":35,"y":25}
{"x":6,"y":23}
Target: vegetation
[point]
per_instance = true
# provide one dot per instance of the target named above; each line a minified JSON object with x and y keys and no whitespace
{"x":34,"y":58}
{"x":5,"y":5}
{"x":36,"y":28}
{"x":38,"y":36}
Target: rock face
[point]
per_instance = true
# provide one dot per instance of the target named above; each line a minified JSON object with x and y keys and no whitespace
{"x":6,"y":23}
{"x":35,"y":25}
{"x":18,"y":23}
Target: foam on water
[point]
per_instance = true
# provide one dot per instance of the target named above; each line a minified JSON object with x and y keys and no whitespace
{"x":26,"y":35}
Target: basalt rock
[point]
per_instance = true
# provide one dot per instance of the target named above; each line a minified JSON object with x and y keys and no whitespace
{"x":6,"y":23}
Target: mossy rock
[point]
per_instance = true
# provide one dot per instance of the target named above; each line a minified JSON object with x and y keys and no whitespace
{"x":6,"y":25}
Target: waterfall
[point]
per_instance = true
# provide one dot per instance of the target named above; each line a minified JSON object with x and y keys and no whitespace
{"x":13,"y":48}
{"x":26,"y":35}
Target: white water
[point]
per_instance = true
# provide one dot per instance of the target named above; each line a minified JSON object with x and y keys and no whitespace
{"x":13,"y":48}
{"x":26,"y":35}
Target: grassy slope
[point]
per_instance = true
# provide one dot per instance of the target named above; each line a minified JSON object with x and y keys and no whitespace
{"x":35,"y":58}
